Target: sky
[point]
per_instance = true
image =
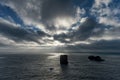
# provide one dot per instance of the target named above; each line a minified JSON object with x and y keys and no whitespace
{"x":74,"y":24}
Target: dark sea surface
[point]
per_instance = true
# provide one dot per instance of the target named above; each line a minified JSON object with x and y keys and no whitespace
{"x":47,"y":67}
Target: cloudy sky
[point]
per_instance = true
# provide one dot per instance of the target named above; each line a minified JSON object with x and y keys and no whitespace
{"x":77,"y":24}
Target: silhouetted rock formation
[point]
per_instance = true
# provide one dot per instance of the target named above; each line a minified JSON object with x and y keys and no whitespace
{"x":64,"y":59}
{"x":95,"y":58}
{"x":91,"y":57}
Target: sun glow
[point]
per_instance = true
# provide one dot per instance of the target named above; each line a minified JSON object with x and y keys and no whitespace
{"x":64,"y":22}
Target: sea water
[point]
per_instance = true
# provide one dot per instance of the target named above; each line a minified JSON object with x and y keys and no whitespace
{"x":47,"y":67}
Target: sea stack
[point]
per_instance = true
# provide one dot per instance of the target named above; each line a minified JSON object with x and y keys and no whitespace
{"x":63,"y":59}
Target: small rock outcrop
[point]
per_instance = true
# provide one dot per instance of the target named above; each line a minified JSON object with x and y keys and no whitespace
{"x":95,"y":58}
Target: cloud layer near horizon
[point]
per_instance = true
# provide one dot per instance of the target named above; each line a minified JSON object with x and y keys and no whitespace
{"x":60,"y":22}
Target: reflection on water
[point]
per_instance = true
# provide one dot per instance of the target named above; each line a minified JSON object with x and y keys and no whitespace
{"x":55,"y":55}
{"x":47,"y":67}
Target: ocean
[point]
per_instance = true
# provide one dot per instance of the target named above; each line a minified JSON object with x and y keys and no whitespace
{"x":46,"y":66}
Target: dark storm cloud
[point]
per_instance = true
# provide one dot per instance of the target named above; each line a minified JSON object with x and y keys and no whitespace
{"x":53,"y":8}
{"x":84,"y":31}
{"x":19,"y":34}
{"x":98,"y":45}
{"x":106,"y":44}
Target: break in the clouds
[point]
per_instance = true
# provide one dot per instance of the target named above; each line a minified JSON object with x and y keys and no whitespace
{"x":60,"y":22}
{"x":82,"y":31}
